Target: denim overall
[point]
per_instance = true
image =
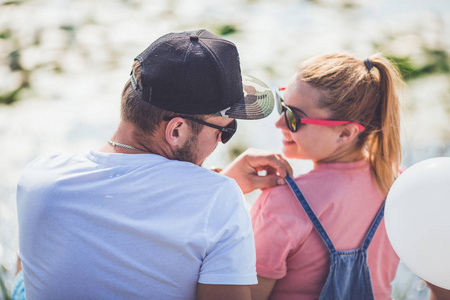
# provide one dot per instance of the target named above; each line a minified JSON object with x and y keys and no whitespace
{"x":349,"y":276}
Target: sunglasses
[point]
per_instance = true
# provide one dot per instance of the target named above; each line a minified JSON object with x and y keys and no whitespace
{"x":227,"y":132}
{"x":293,"y":121}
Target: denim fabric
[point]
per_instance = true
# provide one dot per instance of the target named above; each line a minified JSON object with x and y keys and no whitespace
{"x":349,"y":276}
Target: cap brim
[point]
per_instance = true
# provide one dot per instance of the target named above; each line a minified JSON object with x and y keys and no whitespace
{"x":257,"y":103}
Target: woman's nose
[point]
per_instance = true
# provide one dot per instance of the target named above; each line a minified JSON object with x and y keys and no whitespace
{"x":281,"y":122}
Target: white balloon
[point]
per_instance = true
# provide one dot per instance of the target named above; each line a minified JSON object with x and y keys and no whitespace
{"x":417,"y":219}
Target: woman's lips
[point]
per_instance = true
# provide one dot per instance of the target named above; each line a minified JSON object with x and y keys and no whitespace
{"x":287,"y":141}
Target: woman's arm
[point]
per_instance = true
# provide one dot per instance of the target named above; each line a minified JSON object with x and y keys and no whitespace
{"x":438,"y":293}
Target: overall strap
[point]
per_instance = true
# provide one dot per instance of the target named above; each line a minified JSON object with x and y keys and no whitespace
{"x":312,"y":216}
{"x":373,"y":227}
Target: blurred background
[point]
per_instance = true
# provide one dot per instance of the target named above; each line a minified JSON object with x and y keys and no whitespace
{"x":63,"y":64}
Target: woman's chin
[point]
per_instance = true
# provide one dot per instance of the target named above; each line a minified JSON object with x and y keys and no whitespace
{"x":288,"y":152}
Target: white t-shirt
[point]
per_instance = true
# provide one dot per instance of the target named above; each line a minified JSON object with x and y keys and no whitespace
{"x":130,"y":226}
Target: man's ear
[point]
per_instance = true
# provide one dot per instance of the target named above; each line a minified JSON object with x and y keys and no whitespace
{"x":348,"y":132}
{"x":176,"y":131}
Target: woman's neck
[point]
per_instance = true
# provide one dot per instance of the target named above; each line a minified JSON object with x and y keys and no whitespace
{"x":343,"y":158}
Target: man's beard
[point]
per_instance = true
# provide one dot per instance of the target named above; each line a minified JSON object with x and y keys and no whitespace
{"x":188,"y":152}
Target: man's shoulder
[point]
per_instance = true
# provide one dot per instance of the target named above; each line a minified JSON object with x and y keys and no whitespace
{"x":199,"y":178}
{"x":187,"y":168}
{"x":52,"y":158}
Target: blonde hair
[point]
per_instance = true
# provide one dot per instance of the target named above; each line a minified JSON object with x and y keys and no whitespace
{"x":370,"y":97}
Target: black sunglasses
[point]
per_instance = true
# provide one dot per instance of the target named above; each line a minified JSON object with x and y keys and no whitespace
{"x":293,"y":121}
{"x":227,"y":132}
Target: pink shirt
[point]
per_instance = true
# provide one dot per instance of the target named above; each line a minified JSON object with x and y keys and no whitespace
{"x":288,"y":248}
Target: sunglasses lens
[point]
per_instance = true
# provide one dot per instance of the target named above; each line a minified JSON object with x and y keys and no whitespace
{"x":291,"y":120}
{"x":279,"y":102}
{"x":226,"y":136}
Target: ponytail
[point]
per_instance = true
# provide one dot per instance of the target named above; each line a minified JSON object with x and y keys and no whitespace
{"x":383,"y":145}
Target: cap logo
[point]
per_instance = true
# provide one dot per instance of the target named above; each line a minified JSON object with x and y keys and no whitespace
{"x":223,"y":112}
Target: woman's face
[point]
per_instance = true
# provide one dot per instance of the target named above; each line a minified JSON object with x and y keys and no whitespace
{"x":313,"y":142}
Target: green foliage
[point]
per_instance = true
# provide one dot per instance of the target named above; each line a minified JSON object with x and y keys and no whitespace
{"x":11,"y":3}
{"x":404,"y":65}
{"x":5,"y":34}
{"x":10,"y":97}
{"x":227,"y":29}
{"x":437,"y":62}
{"x":5,"y":293}
{"x":349,"y":5}
{"x":68,"y":28}
{"x":14,"y":61}
{"x":270,"y":69}
{"x":235,"y":151}
{"x":440,"y":61}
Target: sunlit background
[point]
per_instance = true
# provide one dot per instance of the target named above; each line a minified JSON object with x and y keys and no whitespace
{"x":63,"y":64}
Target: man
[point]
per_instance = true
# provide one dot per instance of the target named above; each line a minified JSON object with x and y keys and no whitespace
{"x":140,"y":219}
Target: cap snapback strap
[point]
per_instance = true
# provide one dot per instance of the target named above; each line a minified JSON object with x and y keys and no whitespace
{"x":136,"y":88}
{"x":134,"y":83}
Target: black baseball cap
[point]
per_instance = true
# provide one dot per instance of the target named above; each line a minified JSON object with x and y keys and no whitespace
{"x":198,"y":72}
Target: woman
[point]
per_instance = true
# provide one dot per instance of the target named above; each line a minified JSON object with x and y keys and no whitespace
{"x":343,"y":114}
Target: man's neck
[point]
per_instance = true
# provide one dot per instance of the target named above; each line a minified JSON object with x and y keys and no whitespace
{"x":128,"y":139}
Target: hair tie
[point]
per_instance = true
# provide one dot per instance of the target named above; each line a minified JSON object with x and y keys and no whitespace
{"x":369,"y":65}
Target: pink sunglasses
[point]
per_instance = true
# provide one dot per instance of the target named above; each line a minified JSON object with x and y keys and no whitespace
{"x":292,"y":120}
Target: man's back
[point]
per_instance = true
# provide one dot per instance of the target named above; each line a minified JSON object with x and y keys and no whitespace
{"x":107,"y":226}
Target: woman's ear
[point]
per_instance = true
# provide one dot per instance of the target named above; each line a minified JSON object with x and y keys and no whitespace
{"x":176,"y":131}
{"x":348,"y":133}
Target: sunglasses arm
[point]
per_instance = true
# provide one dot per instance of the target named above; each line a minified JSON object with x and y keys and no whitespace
{"x":331,"y":123}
